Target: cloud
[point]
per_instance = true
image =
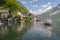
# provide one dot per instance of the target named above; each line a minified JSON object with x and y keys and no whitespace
{"x":49,"y":3}
{"x":45,"y":8}
{"x":34,"y":0}
{"x":40,"y":11}
{"x":36,"y":12}
{"x":24,"y":2}
{"x":44,"y":5}
{"x":35,"y":6}
{"x":49,"y":7}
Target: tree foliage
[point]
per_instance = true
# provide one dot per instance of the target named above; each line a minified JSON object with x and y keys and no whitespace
{"x":12,"y":6}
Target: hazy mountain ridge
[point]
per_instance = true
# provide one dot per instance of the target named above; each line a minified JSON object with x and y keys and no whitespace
{"x":53,"y":13}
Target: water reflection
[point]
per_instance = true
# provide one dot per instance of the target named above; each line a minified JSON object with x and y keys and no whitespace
{"x":21,"y":27}
{"x":12,"y":31}
{"x":29,"y":31}
{"x":56,"y":27}
{"x":49,"y":30}
{"x":40,"y":32}
{"x":45,"y":30}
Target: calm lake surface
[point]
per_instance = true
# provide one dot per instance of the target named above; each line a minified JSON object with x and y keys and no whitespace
{"x":30,"y":31}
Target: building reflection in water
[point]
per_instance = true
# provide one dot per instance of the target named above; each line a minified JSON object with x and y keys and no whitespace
{"x":20,"y":28}
{"x":8,"y":28}
{"x":11,"y":31}
{"x":3,"y":29}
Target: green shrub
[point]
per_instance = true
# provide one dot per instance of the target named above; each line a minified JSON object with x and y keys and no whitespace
{"x":27,"y":19}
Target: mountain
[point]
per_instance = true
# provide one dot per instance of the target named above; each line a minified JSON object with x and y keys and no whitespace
{"x":53,"y":13}
{"x":12,"y":5}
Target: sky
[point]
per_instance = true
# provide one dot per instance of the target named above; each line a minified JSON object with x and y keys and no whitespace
{"x":39,"y":6}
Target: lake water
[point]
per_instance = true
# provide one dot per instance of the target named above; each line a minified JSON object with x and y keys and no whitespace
{"x":30,"y":31}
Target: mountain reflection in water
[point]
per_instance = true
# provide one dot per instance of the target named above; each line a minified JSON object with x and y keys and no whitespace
{"x":40,"y":32}
{"x":30,"y":31}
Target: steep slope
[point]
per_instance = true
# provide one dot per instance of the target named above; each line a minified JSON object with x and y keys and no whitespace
{"x":12,"y":5}
{"x":54,"y":13}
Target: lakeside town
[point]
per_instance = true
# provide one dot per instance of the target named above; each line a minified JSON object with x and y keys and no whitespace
{"x":16,"y":12}
{"x":29,"y":20}
{"x":5,"y":18}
